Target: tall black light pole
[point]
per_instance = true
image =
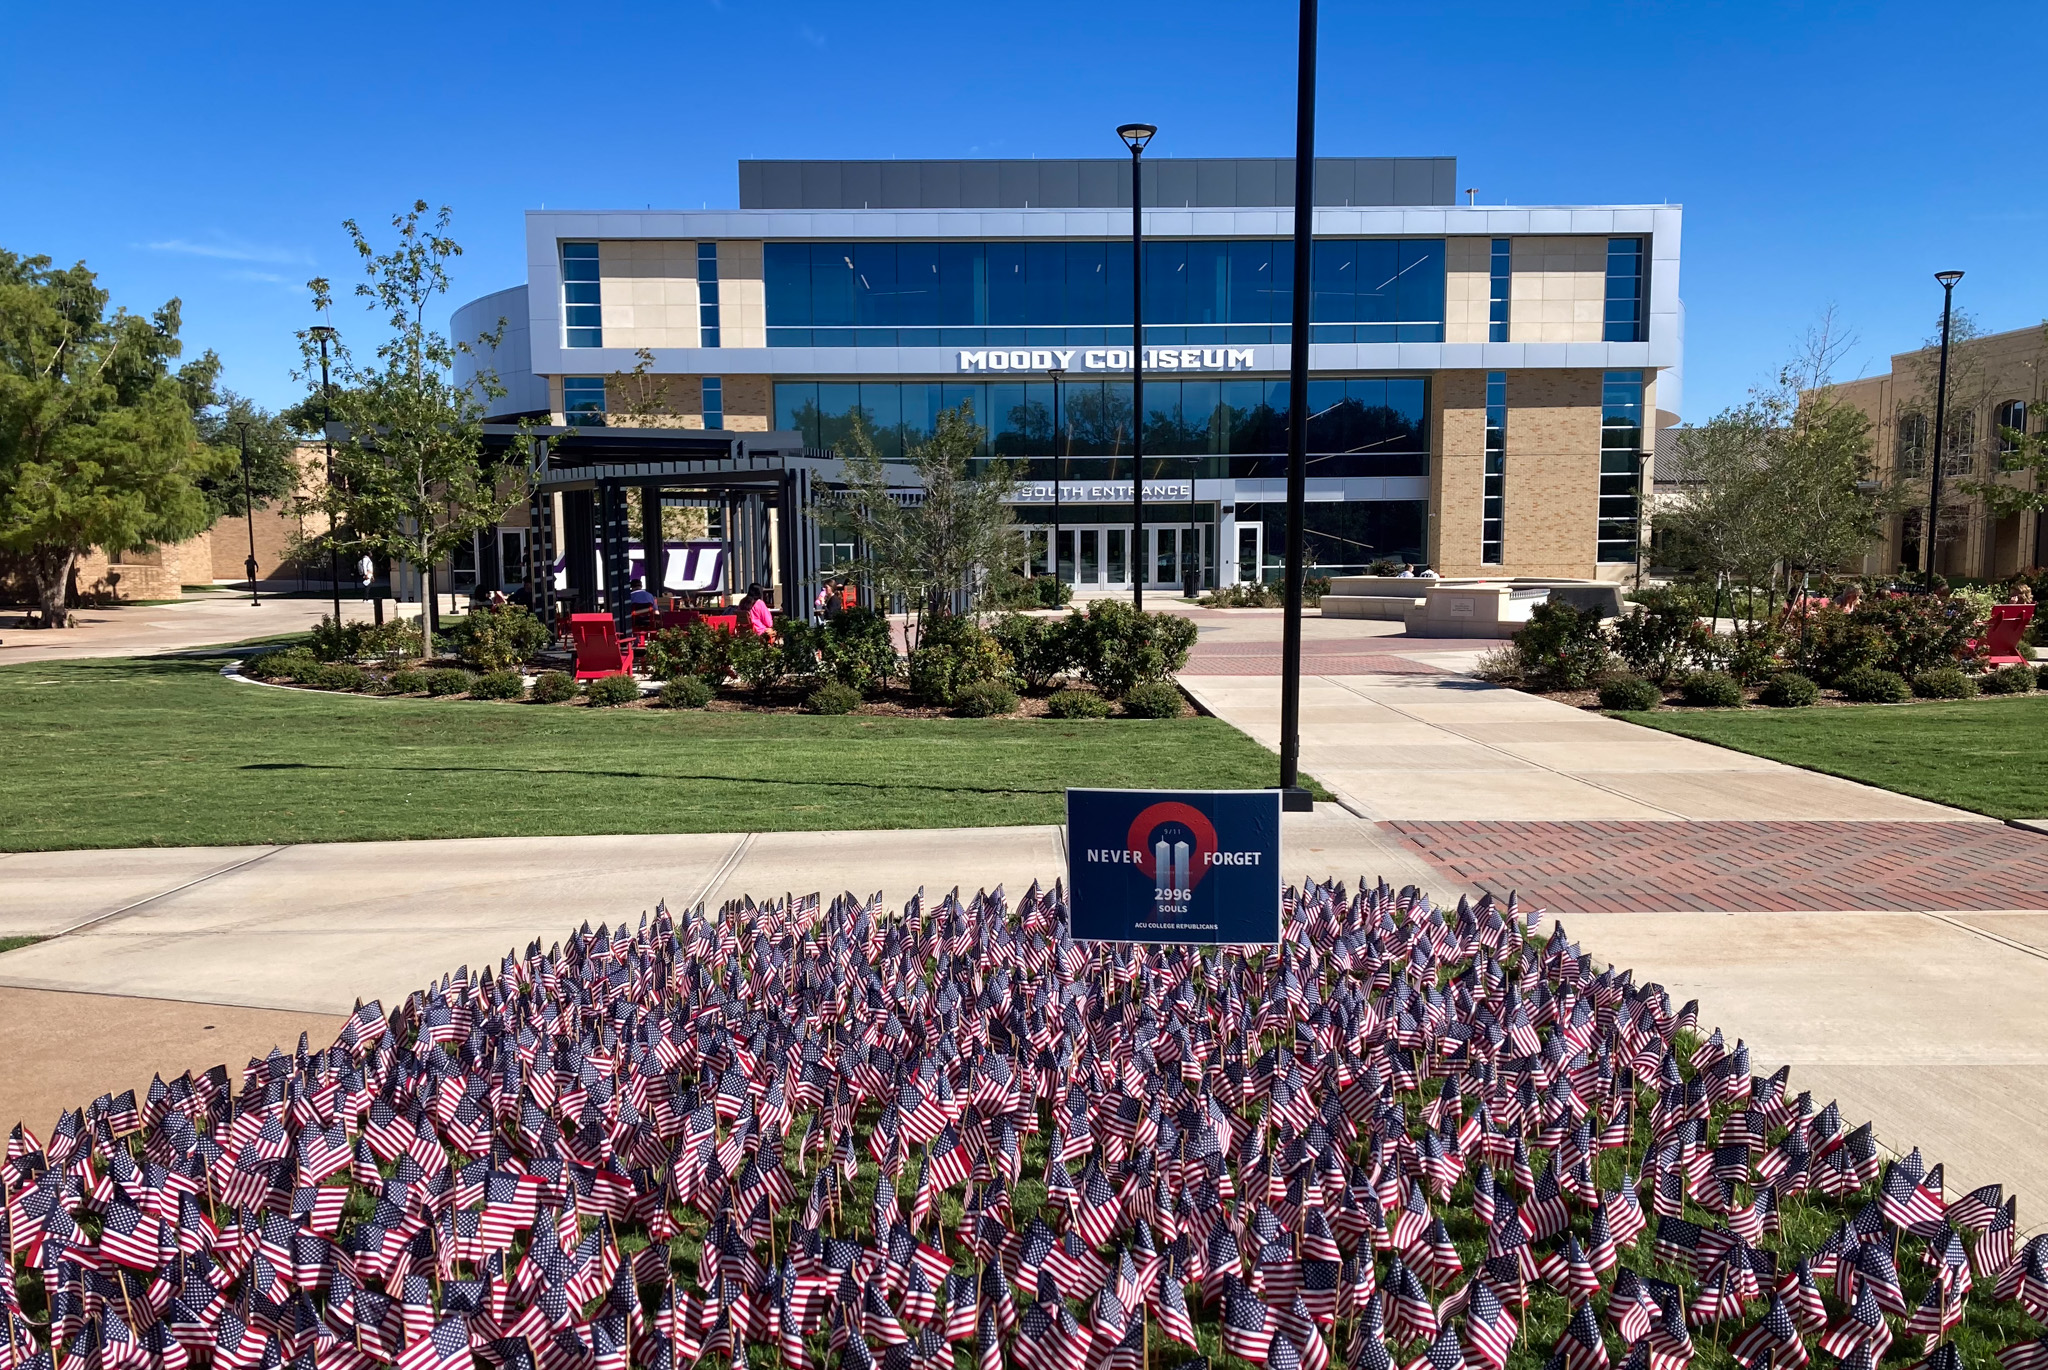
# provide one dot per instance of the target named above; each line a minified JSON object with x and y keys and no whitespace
{"x":1135,"y":137}
{"x":326,"y":334}
{"x":1057,"y":374}
{"x":1948,"y":281}
{"x":1292,"y":796}
{"x":249,"y":513}
{"x":1191,"y":555}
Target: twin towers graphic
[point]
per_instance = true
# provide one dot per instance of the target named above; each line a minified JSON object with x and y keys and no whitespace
{"x":1170,"y":871}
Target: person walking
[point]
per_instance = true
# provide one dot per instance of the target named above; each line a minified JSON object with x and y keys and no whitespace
{"x":366,"y":572}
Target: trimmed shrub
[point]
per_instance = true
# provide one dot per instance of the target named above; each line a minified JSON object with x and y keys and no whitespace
{"x":549,"y":687}
{"x":1076,"y":704}
{"x":1919,"y":632}
{"x":288,"y":663}
{"x":335,"y":675}
{"x":448,"y":680}
{"x":1661,"y":637}
{"x":1040,"y":649}
{"x":1118,"y":647}
{"x":1248,"y":594}
{"x":1831,"y":645}
{"x":498,"y":638}
{"x":1711,"y":690}
{"x":984,"y":699}
{"x":756,"y":661}
{"x":1947,"y":682}
{"x":1050,"y":592}
{"x":857,"y":648}
{"x":1562,"y":647}
{"x":686,"y":692}
{"x":1313,"y":588}
{"x":1501,"y":665}
{"x":953,"y":652}
{"x":1154,"y":699}
{"x":698,"y":650}
{"x":1874,"y":685}
{"x":406,"y":681}
{"x":832,"y":697}
{"x":1629,"y":694}
{"x":611,"y":690}
{"x":498,"y":685}
{"x":2007,"y":680}
{"x":1788,"y":690}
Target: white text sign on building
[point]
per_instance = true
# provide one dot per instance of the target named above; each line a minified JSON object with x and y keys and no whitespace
{"x":1105,"y":359}
{"x":1098,"y":491}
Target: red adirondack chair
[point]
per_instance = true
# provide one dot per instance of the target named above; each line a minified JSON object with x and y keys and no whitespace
{"x":2002,"y":634}
{"x":724,"y":622}
{"x":599,"y":652}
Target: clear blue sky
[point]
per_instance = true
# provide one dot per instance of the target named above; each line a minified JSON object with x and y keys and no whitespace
{"x":1825,"y":153}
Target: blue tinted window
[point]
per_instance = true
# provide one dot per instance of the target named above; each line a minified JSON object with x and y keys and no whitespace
{"x":714,"y":402}
{"x":1493,"y":495}
{"x":582,"y":305}
{"x":1621,"y":464}
{"x":707,"y":294}
{"x":1049,"y":294}
{"x":1500,"y":289}
{"x":583,"y":401}
{"x":1624,"y":321}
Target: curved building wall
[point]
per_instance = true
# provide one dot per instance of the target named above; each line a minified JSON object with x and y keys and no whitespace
{"x":525,"y":393}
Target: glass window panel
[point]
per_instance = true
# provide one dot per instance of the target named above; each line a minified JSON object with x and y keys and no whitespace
{"x":583,"y":400}
{"x":921,"y":405}
{"x":1419,"y":296}
{"x":1251,"y":282}
{"x":832,"y":285}
{"x":1087,"y":266}
{"x":1164,"y":435}
{"x":1500,"y":289}
{"x":1206,"y":429}
{"x":963,"y":294}
{"x":1325,"y":415}
{"x":1116,"y":574}
{"x":786,"y":281}
{"x":874,"y":285}
{"x":1408,"y":410}
{"x":917,"y":285}
{"x":1119,"y":259}
{"x":1379,"y":283}
{"x":882,"y":403}
{"x":1008,"y":298}
{"x":1333,"y":277}
{"x":796,"y":407}
{"x":954,"y":394}
{"x":1045,"y":282}
{"x":1006,"y":419}
{"x":1208,"y":282}
{"x":837,"y":401}
{"x":1166,"y":282}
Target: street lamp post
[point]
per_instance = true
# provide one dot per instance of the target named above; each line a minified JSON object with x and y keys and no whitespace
{"x":1191,"y":555}
{"x":1292,"y":796}
{"x":326,"y":334}
{"x":1135,"y":137}
{"x":1058,"y":374}
{"x":1948,"y":281}
{"x":249,"y":513}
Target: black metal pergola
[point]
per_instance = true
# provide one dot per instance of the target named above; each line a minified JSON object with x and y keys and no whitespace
{"x":759,"y":481}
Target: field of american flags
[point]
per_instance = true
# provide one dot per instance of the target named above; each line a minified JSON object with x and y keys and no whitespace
{"x":835,"y":1135}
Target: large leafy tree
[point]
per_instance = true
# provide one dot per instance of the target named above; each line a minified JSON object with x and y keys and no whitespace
{"x":222,"y":419}
{"x":97,"y":442}
{"x":411,"y":481}
{"x":944,"y":543}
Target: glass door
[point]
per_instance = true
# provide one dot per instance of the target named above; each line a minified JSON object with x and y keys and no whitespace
{"x":1249,"y":564}
{"x":1116,"y":569}
{"x":1090,"y":566}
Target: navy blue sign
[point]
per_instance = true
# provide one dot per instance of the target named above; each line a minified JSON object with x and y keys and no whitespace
{"x":1174,"y":865}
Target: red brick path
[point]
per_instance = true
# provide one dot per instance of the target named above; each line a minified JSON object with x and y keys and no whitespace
{"x":1727,"y":867}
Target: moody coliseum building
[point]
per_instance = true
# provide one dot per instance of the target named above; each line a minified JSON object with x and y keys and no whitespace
{"x":1486,"y":382}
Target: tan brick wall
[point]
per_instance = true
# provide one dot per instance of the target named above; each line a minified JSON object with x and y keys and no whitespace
{"x":749,"y":404}
{"x":1559,"y":290}
{"x":1457,"y":472}
{"x":1468,"y":288}
{"x":742,"y":299}
{"x":1552,"y":484}
{"x":649,"y":292}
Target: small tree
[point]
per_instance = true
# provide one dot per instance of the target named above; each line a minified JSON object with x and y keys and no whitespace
{"x":97,"y":443}
{"x":946,"y":542}
{"x":410,"y":481}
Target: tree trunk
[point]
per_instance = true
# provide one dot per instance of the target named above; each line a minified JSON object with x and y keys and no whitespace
{"x":50,"y":568}
{"x":426,"y":604}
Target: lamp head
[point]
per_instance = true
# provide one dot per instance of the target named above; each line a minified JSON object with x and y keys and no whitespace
{"x":1057,"y":372}
{"x":320,"y":332}
{"x":1948,"y":279}
{"x":1135,"y":136}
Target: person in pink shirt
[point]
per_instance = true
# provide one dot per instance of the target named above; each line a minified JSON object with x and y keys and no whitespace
{"x":759,"y":617}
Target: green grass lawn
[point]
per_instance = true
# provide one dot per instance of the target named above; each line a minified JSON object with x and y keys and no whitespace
{"x":1990,"y":755}
{"x":165,"y":752}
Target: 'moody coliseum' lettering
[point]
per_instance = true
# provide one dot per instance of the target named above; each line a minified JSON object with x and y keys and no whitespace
{"x":1107,"y":359}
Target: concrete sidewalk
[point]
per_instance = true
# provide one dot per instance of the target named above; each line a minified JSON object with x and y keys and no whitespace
{"x":207,"y":619}
{"x":1429,"y":745}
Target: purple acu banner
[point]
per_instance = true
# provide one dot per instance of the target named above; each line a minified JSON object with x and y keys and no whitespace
{"x":1199,"y":866}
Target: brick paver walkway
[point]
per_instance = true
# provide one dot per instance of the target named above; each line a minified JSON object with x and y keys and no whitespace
{"x":1727,"y":867}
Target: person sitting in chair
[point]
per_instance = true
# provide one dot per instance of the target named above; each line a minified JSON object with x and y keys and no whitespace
{"x":755,"y":614}
{"x":641,"y":604}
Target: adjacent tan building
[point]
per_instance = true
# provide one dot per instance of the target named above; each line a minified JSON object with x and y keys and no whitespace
{"x":1995,"y":389}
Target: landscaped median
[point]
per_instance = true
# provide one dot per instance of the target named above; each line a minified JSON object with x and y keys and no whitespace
{"x":813,"y":1134}
{"x":167,"y":752}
